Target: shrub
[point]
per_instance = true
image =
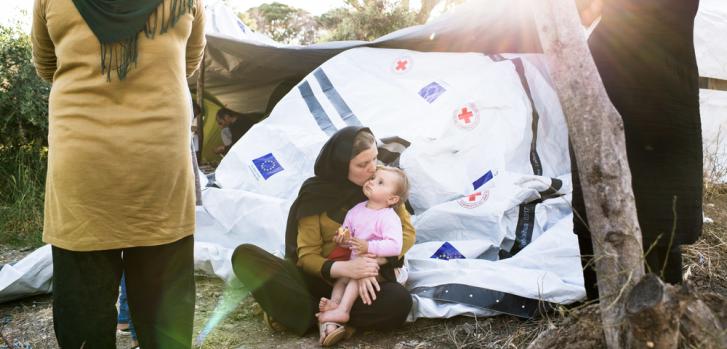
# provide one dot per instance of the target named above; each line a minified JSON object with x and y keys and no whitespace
{"x":23,"y":95}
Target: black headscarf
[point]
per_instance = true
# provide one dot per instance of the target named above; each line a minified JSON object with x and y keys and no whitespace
{"x":117,"y":24}
{"x":329,"y":189}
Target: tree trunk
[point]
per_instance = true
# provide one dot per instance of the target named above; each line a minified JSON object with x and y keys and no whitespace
{"x":653,"y":310}
{"x":700,"y":325}
{"x":596,"y":133}
{"x":426,"y":10}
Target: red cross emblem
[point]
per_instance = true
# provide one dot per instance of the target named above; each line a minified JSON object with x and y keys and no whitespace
{"x":473,"y":200}
{"x":467,"y":116}
{"x":402,"y":65}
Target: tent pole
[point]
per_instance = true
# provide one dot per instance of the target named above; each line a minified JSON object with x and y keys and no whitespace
{"x":203,"y":111}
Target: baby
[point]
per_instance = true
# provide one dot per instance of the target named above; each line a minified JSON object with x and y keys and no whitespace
{"x":374,"y":229}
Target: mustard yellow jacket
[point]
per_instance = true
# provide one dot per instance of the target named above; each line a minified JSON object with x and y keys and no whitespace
{"x":119,"y":162}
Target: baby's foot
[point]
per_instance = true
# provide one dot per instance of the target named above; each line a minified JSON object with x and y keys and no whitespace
{"x":338,"y":315}
{"x":326,"y":304}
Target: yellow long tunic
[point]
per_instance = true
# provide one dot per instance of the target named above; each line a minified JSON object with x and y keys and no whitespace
{"x":119,"y":163}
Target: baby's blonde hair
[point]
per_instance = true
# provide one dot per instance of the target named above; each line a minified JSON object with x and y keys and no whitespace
{"x":402,"y":190}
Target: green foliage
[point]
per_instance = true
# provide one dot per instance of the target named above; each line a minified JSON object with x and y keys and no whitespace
{"x":23,"y":95}
{"x":282,"y":23}
{"x":358,"y":20}
{"x":366,"y":21}
{"x":22,"y":187}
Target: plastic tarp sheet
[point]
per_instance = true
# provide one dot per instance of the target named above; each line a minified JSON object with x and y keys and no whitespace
{"x":710,"y":28}
{"x":243,"y":68}
{"x":484,"y":143}
{"x":30,"y":276}
{"x":713,"y":110}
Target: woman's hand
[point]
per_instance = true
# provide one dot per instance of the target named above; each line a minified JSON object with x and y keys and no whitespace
{"x":367,"y":288}
{"x":359,"y":246}
{"x":379,"y":260}
{"x":358,"y":268}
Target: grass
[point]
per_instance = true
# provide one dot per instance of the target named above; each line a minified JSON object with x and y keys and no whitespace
{"x":22,"y":187}
{"x":715,"y":168}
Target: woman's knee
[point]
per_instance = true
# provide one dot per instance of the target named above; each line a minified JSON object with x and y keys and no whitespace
{"x":401,"y":296}
{"x":397,"y":300}
{"x":246,"y":259}
{"x":245,"y":254}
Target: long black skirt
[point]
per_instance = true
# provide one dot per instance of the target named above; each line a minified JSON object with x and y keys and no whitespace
{"x":291,"y":296}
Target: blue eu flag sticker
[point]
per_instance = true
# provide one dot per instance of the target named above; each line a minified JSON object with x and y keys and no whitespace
{"x":267,"y":165}
{"x":482,"y":180}
{"x":447,"y":252}
{"x":431,"y":92}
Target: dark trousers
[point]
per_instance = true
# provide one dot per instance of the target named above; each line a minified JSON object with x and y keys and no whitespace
{"x":160,"y":290}
{"x":290,"y":296}
{"x":662,"y":261}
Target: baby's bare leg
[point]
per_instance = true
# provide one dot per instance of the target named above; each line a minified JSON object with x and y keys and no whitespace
{"x":338,"y":288}
{"x":342,"y":313}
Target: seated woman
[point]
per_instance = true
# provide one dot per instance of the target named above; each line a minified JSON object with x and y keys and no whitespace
{"x":289,"y":290}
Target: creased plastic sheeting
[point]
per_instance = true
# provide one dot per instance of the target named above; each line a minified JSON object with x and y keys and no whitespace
{"x":547,"y":270}
{"x":487,"y":159}
{"x":710,"y":46}
{"x":491,"y":212}
{"x":450,"y":159}
{"x":713,"y":110}
{"x":232,"y":217}
{"x":29,"y":276}
{"x":213,"y":259}
{"x":242,"y":70}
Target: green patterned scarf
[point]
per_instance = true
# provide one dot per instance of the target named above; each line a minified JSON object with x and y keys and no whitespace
{"x":117,"y":23}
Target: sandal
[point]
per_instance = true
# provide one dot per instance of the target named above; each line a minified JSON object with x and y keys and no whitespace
{"x":340,"y":333}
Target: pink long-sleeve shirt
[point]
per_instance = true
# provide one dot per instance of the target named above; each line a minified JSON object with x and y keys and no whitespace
{"x":381,"y":228}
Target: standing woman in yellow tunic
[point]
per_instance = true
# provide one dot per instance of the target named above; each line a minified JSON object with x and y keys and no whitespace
{"x":120,"y":186}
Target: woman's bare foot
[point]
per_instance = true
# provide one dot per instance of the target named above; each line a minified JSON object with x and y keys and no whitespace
{"x":338,"y":315}
{"x":326,"y":305}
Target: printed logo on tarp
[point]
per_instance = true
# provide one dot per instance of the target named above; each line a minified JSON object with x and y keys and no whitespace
{"x":267,"y":165}
{"x":467,"y":116}
{"x":431,"y":92}
{"x":447,"y":252}
{"x":482,"y":180}
{"x":475,"y":199}
{"x":401,"y":65}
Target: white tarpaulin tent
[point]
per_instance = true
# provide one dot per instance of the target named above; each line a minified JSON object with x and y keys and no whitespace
{"x":484,"y":143}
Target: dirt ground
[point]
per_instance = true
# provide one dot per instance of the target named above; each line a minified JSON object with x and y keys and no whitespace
{"x":228,"y":319}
